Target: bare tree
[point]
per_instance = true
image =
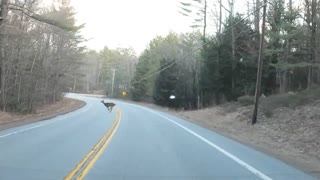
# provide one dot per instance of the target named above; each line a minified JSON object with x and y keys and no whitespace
{"x":233,"y":42}
{"x":36,"y":51}
{"x":313,"y":39}
{"x":3,"y":20}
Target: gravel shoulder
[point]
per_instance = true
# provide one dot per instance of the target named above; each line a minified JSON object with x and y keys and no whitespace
{"x":66,"y":105}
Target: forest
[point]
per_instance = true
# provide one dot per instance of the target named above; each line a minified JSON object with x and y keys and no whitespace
{"x":38,"y":47}
{"x":42,"y":55}
{"x":203,"y":69}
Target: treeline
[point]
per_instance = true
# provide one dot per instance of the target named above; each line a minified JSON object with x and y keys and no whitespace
{"x":38,"y":46}
{"x":116,"y":70}
{"x":224,"y":67}
{"x":98,"y":71}
{"x":180,"y":79}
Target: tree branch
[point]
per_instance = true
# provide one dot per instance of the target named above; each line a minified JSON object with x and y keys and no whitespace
{"x":39,"y":18}
{"x":224,"y":7}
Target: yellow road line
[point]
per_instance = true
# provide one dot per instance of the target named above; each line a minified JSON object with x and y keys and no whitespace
{"x":81,"y":163}
{"x":98,"y":148}
{"x":98,"y":154}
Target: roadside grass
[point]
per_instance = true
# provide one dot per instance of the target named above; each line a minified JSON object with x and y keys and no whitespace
{"x":246,"y":100}
{"x":288,"y":100}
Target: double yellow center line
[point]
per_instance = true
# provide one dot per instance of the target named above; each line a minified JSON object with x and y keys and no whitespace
{"x":83,"y":167}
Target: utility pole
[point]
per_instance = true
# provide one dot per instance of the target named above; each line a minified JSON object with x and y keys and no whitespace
{"x":114,"y":73}
{"x":259,"y":72}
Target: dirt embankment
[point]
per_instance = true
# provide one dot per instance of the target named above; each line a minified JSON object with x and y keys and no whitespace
{"x":8,"y":120}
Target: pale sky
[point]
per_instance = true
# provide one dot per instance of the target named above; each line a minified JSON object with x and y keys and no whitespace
{"x":128,"y":23}
{"x":134,"y":23}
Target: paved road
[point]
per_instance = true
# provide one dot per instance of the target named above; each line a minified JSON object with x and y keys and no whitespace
{"x":141,"y":144}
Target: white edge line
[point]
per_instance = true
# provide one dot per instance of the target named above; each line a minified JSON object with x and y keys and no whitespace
{"x":226,"y":153}
{"x":16,"y":132}
{"x":37,"y":126}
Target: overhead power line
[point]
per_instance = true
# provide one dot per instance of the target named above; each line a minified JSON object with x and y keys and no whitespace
{"x":195,"y":50}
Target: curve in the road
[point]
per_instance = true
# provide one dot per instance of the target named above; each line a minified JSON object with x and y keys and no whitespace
{"x":147,"y":144}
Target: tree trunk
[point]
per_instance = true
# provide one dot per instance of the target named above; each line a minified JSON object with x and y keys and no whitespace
{"x":88,"y":85}
{"x":220,"y":23}
{"x":3,"y":19}
{"x":233,"y":41}
{"x":313,"y":38}
{"x":33,"y":94}
{"x":74,"y":83}
{"x":282,"y":82}
{"x":287,"y":51}
{"x":257,"y":20}
{"x":19,"y":90}
{"x":205,"y":21}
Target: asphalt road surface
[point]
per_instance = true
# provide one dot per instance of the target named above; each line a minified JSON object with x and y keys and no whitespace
{"x":131,"y":142}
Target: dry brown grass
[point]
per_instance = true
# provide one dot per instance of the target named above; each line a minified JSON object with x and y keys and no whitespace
{"x":8,"y":120}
